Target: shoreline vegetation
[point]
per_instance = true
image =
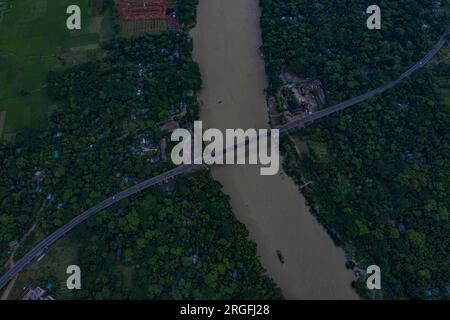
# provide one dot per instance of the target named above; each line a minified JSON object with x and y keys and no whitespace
{"x":227,"y":40}
{"x":375,"y":176}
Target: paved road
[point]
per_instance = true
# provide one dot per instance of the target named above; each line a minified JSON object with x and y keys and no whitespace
{"x":39,"y":249}
{"x":351,"y":102}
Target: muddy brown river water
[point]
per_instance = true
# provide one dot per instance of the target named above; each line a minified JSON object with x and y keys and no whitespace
{"x":226,"y":46}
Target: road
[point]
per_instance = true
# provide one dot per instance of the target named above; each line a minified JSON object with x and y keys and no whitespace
{"x":351,"y":102}
{"x":44,"y":244}
{"x":39,"y":249}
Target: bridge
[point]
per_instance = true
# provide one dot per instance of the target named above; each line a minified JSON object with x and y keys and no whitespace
{"x":51,"y":239}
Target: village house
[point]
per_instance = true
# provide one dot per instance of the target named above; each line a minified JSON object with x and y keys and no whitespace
{"x":310,"y":86}
{"x":299,"y":98}
{"x":36,"y":293}
{"x":169,"y":126}
{"x":147,"y":146}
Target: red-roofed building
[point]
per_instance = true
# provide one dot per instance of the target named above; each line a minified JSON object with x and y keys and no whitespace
{"x":313,"y":85}
{"x":146,"y":10}
{"x":169,"y":126}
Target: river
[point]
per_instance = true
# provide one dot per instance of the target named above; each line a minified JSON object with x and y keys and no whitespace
{"x":226,"y":46}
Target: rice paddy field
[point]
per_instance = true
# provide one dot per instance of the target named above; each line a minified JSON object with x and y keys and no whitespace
{"x":34,"y":39}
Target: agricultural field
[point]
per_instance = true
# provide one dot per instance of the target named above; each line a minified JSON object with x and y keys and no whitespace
{"x":33,"y":40}
{"x":4,"y":8}
{"x":133,"y":28}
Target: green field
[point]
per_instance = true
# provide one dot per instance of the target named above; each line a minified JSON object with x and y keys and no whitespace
{"x":51,"y":269}
{"x":135,"y":28}
{"x":33,"y":40}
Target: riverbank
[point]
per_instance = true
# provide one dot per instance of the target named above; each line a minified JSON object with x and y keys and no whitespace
{"x":226,"y":46}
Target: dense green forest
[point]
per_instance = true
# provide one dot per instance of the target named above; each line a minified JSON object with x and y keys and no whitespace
{"x":329,"y":40}
{"x":382,"y":185}
{"x":104,"y":136}
{"x":184,"y":244}
{"x":93,"y":141}
{"x":380,"y":172}
{"x":186,"y":11}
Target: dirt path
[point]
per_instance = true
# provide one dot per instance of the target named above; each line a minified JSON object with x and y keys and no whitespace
{"x":8,"y":289}
{"x":226,"y":46}
{"x":11,"y":262}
